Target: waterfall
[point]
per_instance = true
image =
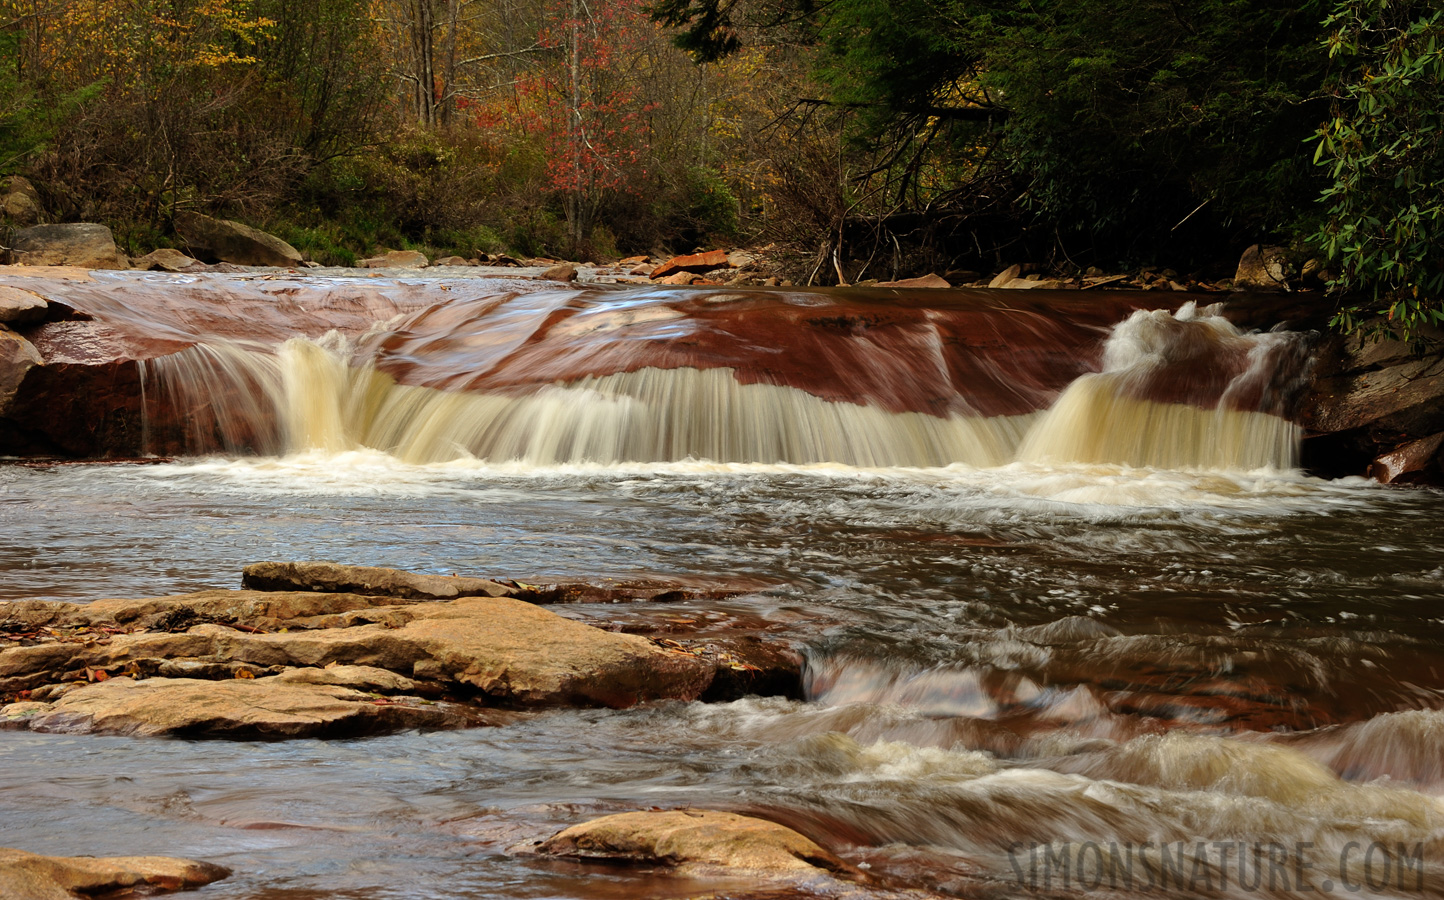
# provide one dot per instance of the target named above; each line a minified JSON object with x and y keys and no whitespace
{"x":1176,"y":390}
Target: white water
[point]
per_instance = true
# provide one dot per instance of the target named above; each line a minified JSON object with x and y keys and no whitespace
{"x":314,"y":396}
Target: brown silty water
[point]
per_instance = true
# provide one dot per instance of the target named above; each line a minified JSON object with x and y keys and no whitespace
{"x":1065,"y":600}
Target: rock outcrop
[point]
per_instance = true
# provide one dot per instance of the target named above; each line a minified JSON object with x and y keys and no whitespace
{"x":85,"y":245}
{"x":278,"y":664}
{"x":30,"y":876}
{"x":222,"y":240}
{"x":698,"y":842}
{"x":1377,"y":407}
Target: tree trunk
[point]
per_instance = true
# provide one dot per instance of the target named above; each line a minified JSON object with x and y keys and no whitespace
{"x":424,"y":57}
{"x":575,"y":203}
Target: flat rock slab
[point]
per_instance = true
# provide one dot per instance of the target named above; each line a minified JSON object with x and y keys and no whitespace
{"x":369,"y":580}
{"x":695,"y":840}
{"x":511,"y":652}
{"x":242,"y":708}
{"x":29,"y":876}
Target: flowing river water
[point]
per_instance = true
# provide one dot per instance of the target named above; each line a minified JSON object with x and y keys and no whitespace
{"x":1205,"y":677}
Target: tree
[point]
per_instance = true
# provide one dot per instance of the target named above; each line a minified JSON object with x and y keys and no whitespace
{"x":1384,"y":150}
{"x":1115,"y":122}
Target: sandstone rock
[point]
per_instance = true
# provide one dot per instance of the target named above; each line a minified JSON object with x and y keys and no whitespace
{"x":242,"y":708}
{"x":510,"y":262}
{"x":696,"y":263}
{"x":1262,"y":269}
{"x":926,"y":281}
{"x":741,"y":259}
{"x":367,"y":580}
{"x":18,"y":715}
{"x":695,"y":839}
{"x":222,"y":240}
{"x":20,"y":202}
{"x":633,"y":261}
{"x":1417,"y":461}
{"x":396,"y":259}
{"x":361,"y":678}
{"x":20,"y":307}
{"x":680,"y":278}
{"x":510,"y":651}
{"x":454,"y":261}
{"x":29,"y":876}
{"x":561,"y":272}
{"x":17,"y":357}
{"x":1002,"y":278}
{"x":164,"y":260}
{"x":642,"y":269}
{"x":85,"y":245}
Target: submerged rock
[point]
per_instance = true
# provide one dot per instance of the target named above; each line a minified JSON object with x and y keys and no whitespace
{"x":29,"y":876}
{"x":695,"y":839}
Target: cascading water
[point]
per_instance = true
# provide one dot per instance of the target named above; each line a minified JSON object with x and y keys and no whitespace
{"x":1177,"y":390}
{"x":1036,"y":655}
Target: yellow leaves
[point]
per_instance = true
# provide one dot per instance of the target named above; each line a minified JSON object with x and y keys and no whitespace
{"x":130,"y":42}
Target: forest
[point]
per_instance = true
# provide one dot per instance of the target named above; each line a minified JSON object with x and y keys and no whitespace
{"x":854,"y":137}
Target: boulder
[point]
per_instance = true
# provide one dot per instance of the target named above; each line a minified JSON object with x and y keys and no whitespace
{"x":85,"y":245}
{"x":1012,"y":273}
{"x":741,"y":259}
{"x":17,"y":357}
{"x":164,"y":260}
{"x":366,"y":580}
{"x":20,"y":202}
{"x":925,"y":281}
{"x":20,"y":307}
{"x":396,"y":259}
{"x":1416,"y":461}
{"x":696,"y":263}
{"x":695,"y":839}
{"x":1262,"y":269}
{"x":680,"y":278}
{"x":642,"y":268}
{"x":29,"y":876}
{"x":223,"y":240}
{"x":561,"y":272}
{"x":454,"y":261}
{"x":240,"y":708}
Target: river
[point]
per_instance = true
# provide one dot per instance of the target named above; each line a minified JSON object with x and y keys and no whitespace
{"x":997,"y":657}
{"x":1072,"y":621}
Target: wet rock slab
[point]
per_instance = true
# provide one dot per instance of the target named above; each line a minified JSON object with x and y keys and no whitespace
{"x":30,"y":876}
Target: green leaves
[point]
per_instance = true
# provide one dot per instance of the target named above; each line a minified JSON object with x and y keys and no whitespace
{"x":1384,"y":150}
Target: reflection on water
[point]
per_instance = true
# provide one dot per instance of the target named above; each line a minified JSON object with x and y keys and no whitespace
{"x":1020,"y":655}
